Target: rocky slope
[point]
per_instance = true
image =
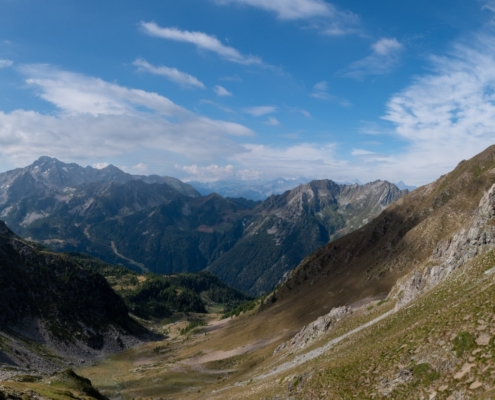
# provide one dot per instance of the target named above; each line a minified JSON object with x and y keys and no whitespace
{"x":286,"y":228}
{"x":149,"y":225}
{"x":400,"y":308}
{"x":53,"y":311}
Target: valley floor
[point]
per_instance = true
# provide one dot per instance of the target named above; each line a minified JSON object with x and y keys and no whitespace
{"x":440,"y":346}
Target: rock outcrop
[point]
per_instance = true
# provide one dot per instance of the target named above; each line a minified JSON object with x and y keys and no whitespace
{"x":314,"y":330}
{"x":453,"y":253}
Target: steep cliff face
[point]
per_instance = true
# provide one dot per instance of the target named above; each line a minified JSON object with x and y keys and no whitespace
{"x":53,"y":311}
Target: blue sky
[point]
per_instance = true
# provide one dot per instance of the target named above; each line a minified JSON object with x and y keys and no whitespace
{"x":246,"y":89}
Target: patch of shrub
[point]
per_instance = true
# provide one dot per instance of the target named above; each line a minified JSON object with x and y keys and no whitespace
{"x":464,"y":342}
{"x":425,"y":374}
{"x":193,"y":324}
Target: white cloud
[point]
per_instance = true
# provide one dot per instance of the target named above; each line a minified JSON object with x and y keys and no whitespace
{"x":321,"y":86}
{"x":272,"y":121}
{"x":386,"y":46}
{"x":221,"y":91}
{"x":172,"y":74}
{"x":384,"y":58}
{"x":448,"y":115}
{"x":289,"y":9}
{"x":260,"y":110}
{"x":209,"y":173}
{"x":78,"y":94}
{"x":260,"y":161}
{"x":97,"y":119}
{"x":320,"y":91}
{"x":140,"y":168}
{"x":202,"y":41}
{"x":100,"y":165}
{"x":217,"y":105}
{"x":489,"y":5}
{"x":361,"y":152}
{"x":302,"y":159}
{"x":6,"y":63}
{"x":214,"y":172}
{"x":322,"y":15}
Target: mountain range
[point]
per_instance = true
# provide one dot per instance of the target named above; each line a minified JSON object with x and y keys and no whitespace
{"x":162,"y":225}
{"x":401,"y":307}
{"x":261,"y":189}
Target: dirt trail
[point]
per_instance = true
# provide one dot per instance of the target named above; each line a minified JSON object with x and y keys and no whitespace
{"x":221,"y":355}
{"x":298,"y":360}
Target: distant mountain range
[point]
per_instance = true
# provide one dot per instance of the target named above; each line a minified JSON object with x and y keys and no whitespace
{"x":259,"y":190}
{"x":401,"y":185}
{"x":163,"y":225}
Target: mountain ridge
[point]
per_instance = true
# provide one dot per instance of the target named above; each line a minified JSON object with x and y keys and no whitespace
{"x":151,"y":226}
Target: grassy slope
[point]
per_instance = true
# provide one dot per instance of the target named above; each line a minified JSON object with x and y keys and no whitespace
{"x":363,"y":264}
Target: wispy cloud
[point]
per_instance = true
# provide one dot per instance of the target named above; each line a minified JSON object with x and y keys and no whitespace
{"x":98,"y":119}
{"x":448,"y":115}
{"x":221,"y":91}
{"x":288,"y":9}
{"x":489,"y":5}
{"x":384,"y":58}
{"x":320,"y":14}
{"x":217,"y":105}
{"x":259,"y":111}
{"x":320,"y":91}
{"x":6,"y":63}
{"x":202,"y":41}
{"x":173,"y":74}
{"x":272,"y":121}
{"x":233,"y":78}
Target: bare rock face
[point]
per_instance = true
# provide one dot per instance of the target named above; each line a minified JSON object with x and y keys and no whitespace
{"x":452,"y":254}
{"x":314,"y":330}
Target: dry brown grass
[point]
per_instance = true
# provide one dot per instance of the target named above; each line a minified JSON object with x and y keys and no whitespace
{"x":365,"y":263}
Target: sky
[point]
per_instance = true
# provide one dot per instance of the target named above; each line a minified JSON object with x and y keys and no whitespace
{"x":249,"y":89}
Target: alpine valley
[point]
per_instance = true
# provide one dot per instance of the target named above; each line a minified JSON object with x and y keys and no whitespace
{"x":162,"y":225}
{"x":394,"y":302}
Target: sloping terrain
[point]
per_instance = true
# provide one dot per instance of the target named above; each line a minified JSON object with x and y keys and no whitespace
{"x":158,"y":296}
{"x":401,"y":308}
{"x":148,"y":225}
{"x":288,"y":227}
{"x":54,"y":312}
